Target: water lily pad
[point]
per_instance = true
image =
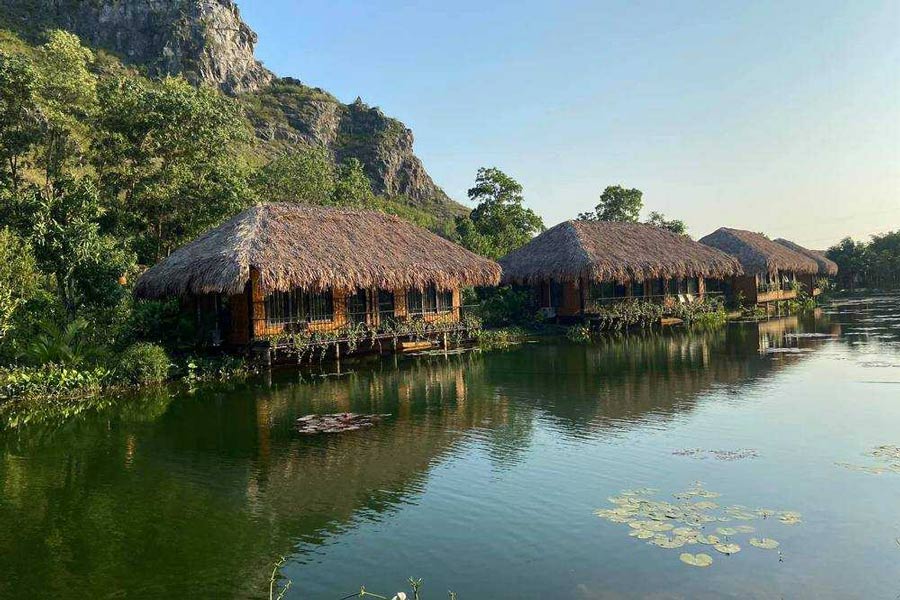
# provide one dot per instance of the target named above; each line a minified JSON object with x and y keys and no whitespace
{"x":727,"y":548}
{"x":696,"y":560}
{"x":764,"y":543}
{"x":685,"y":532}
{"x":744,"y":529}
{"x":705,"y":505}
{"x":667,"y":542}
{"x":709,"y":540}
{"x":727,"y":531}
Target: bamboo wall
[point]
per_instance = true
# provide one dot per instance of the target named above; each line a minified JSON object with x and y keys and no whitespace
{"x":248,"y":312}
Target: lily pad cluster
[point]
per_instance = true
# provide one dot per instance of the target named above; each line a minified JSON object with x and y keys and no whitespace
{"x":696,"y":518}
{"x":887,"y":459}
{"x":739,"y":454}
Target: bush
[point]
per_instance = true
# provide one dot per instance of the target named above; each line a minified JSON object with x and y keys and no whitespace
{"x":494,"y":339}
{"x":143,"y":363}
{"x":51,"y":382}
{"x":506,"y":306}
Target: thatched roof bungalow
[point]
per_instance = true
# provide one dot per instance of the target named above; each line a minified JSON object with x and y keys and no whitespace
{"x":770,"y":269}
{"x":580,"y":264}
{"x":827,"y":267}
{"x":282,"y":267}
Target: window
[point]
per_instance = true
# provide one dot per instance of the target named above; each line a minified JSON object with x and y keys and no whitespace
{"x":414,"y":302}
{"x":637,"y":289}
{"x":430,"y":300}
{"x":385,"y":304}
{"x":445,"y":301}
{"x":602,"y":290}
{"x":681,"y":286}
{"x":556,"y":294}
{"x":297,"y":306}
{"x":357,"y":305}
{"x":658,"y":287}
{"x":692,"y":285}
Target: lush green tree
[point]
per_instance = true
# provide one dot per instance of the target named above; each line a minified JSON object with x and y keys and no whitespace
{"x":305,"y":175}
{"x":673,"y":225}
{"x":21,"y":119}
{"x":883,"y":255}
{"x":64,"y":232}
{"x":616,"y":204}
{"x":168,"y":159}
{"x":500,"y":222}
{"x":19,"y":278}
{"x":352,"y":186}
{"x":850,"y":257}
{"x":67,"y":97}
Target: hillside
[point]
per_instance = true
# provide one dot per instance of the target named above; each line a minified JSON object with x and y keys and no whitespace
{"x":207,"y":42}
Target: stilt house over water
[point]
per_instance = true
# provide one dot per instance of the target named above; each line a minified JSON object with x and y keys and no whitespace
{"x":827,"y":267}
{"x":772,"y":271}
{"x":578,"y":266}
{"x":283,"y":268}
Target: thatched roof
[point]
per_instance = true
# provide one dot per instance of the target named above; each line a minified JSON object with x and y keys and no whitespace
{"x":826,"y":265}
{"x":311,"y":247}
{"x":604,"y":251}
{"x":757,"y":253}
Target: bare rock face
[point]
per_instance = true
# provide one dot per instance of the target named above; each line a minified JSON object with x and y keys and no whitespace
{"x":204,"y":40}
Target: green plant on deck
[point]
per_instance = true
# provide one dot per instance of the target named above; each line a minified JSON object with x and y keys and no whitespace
{"x":496,"y":339}
{"x":622,"y":315}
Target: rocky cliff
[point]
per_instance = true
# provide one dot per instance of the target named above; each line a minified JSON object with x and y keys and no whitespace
{"x":207,"y":42}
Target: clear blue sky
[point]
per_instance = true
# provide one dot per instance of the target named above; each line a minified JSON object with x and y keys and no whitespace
{"x":782,"y":117}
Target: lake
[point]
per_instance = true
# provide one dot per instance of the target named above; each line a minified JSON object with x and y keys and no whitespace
{"x":486,"y":477}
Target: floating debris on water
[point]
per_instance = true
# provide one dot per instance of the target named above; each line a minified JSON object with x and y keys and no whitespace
{"x":700,"y":453}
{"x":809,"y":335}
{"x":886,"y":456}
{"x":689,"y":521}
{"x":336,"y":422}
{"x":787,"y":350}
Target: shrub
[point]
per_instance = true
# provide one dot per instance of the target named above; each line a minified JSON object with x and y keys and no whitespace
{"x":143,"y":363}
{"x":579,"y":333}
{"x":51,"y":381}
{"x":493,"y":339}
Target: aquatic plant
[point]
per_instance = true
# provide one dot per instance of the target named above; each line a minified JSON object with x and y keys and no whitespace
{"x":579,"y":334}
{"x":672,"y":525}
{"x":497,"y":339}
{"x":701,"y":454}
{"x":887,"y":460}
{"x":52,"y":382}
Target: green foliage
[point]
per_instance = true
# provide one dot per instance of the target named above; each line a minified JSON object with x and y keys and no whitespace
{"x":616,"y":204}
{"x":580,"y":334}
{"x":52,"y":381}
{"x":306,"y":175}
{"x":500,"y":223}
{"x":159,"y":321}
{"x":352,"y":187}
{"x":674,"y":225}
{"x":497,"y":339}
{"x":21,"y":120}
{"x":59,"y":344}
{"x":168,"y":154}
{"x":501,"y":307}
{"x":875,"y":264}
{"x":19,"y":279}
{"x":143,"y":363}
{"x":213,"y":368}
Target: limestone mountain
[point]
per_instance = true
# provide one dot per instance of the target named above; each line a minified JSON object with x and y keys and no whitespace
{"x":207,"y":42}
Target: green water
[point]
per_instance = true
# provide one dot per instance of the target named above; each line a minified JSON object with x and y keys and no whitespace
{"x":484,"y":479}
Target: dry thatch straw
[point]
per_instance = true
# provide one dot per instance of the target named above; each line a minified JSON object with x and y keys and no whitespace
{"x":605,"y":251}
{"x":315,"y":248}
{"x":758,"y":254}
{"x":826,"y":265}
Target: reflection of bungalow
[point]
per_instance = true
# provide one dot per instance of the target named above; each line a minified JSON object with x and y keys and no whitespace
{"x":291,"y":268}
{"x":770,"y":269}
{"x":827,"y":267}
{"x":578,"y":266}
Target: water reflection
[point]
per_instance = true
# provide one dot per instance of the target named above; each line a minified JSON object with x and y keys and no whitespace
{"x":173,"y":492}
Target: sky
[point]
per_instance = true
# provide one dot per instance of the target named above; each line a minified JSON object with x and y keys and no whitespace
{"x":780,"y":117}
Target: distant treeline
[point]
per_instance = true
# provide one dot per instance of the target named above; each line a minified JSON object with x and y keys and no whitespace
{"x":874,"y":264}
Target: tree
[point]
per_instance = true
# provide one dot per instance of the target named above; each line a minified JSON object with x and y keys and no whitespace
{"x":883,"y":255}
{"x":306,"y":175}
{"x":18,"y":277}
{"x":851,"y":259}
{"x":352,"y":186}
{"x":67,"y":97}
{"x":21,"y":120}
{"x":616,"y":204}
{"x":499,"y":223}
{"x":64,"y":232}
{"x":168,"y":158}
{"x":659,"y":220}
